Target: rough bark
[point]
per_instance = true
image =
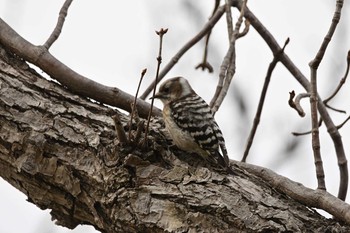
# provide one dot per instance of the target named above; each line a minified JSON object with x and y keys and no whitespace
{"x":61,"y":150}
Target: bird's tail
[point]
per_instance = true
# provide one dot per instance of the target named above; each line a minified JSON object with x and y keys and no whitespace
{"x":217,"y":158}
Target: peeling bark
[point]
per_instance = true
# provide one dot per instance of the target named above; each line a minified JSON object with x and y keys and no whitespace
{"x":61,"y":150}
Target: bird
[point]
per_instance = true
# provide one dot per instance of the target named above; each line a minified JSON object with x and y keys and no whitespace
{"x":190,"y":121}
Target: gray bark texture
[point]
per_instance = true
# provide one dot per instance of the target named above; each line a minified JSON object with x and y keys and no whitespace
{"x":61,"y":150}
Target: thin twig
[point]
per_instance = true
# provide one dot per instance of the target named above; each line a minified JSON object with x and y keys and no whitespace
{"x":207,"y":27}
{"x":134,"y":104}
{"x":160,"y":33}
{"x":272,"y":66}
{"x":319,"y":124}
{"x":58,"y":29}
{"x":307,"y":132}
{"x":205,"y":64}
{"x":314,"y":64}
{"x":342,"y":81}
{"x":342,"y":124}
{"x":229,"y":20}
{"x":245,"y":30}
{"x":298,"y":107}
{"x":335,"y":109}
{"x":228,"y":67}
{"x":296,"y":103}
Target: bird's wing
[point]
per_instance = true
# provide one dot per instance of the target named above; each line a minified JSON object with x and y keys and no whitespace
{"x":194,"y":115}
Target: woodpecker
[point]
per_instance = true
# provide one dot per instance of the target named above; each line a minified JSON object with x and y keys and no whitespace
{"x":190,"y":121}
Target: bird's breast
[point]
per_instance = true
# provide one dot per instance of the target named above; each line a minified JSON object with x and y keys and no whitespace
{"x":180,"y":137}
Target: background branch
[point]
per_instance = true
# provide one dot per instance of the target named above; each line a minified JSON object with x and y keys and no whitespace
{"x":314,"y":64}
{"x":342,"y":81}
{"x":228,"y":65}
{"x":58,"y":29}
{"x":296,"y":103}
{"x":207,"y":27}
{"x":272,"y":66}
{"x":286,"y":61}
{"x":315,"y":133}
{"x":205,"y":65}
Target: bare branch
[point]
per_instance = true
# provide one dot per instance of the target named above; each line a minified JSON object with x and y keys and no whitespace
{"x":315,"y":132}
{"x":342,"y":124}
{"x":296,"y":104}
{"x":307,"y":132}
{"x":160,"y":33}
{"x":205,"y":65}
{"x":58,"y":29}
{"x":40,"y":57}
{"x":207,"y":27}
{"x":335,"y":20}
{"x":272,"y":66}
{"x":245,"y":30}
{"x":229,"y":19}
{"x":314,"y":64}
{"x":342,"y":81}
{"x":335,"y":109}
{"x":134,"y":104}
{"x":285,"y":60}
{"x":228,"y":66}
{"x":314,"y":198}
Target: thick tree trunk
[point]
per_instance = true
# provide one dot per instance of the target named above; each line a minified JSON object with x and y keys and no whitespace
{"x":61,"y":150}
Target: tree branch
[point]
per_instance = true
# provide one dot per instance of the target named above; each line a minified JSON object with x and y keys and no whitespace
{"x":77,"y":83}
{"x":296,"y":104}
{"x":285,"y":60}
{"x":272,"y":66}
{"x":58,"y":29}
{"x":228,"y":65}
{"x":207,"y":27}
{"x":318,"y":198}
{"x":342,"y":81}
{"x":314,"y":64}
{"x":205,"y":65}
{"x":160,"y":33}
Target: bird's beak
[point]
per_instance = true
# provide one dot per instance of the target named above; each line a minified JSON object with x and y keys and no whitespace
{"x":157,"y":96}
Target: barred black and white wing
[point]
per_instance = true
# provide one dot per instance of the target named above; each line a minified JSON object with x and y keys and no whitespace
{"x":193,"y":115}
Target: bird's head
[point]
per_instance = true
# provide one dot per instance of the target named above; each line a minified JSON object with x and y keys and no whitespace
{"x":173,"y":89}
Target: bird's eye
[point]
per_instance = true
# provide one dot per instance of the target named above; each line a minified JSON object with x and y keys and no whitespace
{"x":166,"y":89}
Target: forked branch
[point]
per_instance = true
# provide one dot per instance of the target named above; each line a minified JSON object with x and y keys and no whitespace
{"x":286,"y":61}
{"x":207,"y":27}
{"x":228,"y":65}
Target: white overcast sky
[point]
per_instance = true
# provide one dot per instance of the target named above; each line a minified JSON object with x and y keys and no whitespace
{"x":112,"y":41}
